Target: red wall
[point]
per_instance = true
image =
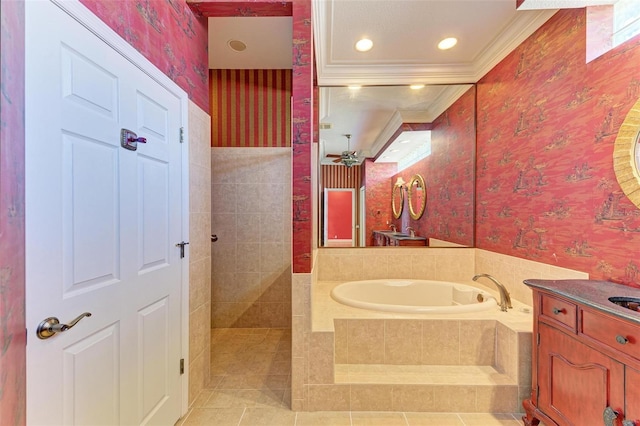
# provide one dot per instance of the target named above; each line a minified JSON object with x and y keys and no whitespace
{"x":167,"y":33}
{"x":547,"y":122}
{"x":449,"y":177}
{"x":378,"y":186}
{"x":12,"y":273}
{"x":302,"y":129}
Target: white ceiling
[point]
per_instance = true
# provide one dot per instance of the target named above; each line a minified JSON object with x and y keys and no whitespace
{"x":405,"y":34}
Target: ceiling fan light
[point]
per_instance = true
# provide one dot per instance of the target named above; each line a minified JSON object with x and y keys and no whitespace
{"x":364,"y":45}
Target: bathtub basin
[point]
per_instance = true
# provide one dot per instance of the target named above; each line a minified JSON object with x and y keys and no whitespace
{"x":413,"y":296}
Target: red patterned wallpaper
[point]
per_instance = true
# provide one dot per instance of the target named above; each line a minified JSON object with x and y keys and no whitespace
{"x":12,"y":273}
{"x":449,"y":177}
{"x":302,"y":128}
{"x":250,"y":108}
{"x":378,"y":187}
{"x":227,"y":8}
{"x":547,"y":122}
{"x":168,"y":33}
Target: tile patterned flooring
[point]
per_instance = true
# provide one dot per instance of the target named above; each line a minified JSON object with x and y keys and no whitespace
{"x":251,"y":381}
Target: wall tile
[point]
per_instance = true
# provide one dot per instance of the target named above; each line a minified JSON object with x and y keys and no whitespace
{"x":441,"y":342}
{"x":454,"y":398}
{"x":253,"y":238}
{"x":371,"y":397}
{"x":402,"y":342}
{"x":477,"y":342}
{"x":329,"y":398}
{"x":321,"y":348}
{"x":414,"y":398}
{"x":366,"y":341}
{"x":199,"y":251}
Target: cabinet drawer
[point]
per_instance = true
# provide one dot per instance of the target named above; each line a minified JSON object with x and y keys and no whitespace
{"x":558,"y":311}
{"x":617,"y":334}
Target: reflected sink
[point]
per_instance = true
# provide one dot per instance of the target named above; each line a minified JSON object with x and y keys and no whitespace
{"x":632,"y":303}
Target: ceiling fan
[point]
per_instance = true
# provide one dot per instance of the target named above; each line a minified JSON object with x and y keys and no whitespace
{"x":347,"y":158}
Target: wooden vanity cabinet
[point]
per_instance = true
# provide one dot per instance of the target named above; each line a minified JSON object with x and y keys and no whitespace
{"x":584,"y":359}
{"x":382,"y":238}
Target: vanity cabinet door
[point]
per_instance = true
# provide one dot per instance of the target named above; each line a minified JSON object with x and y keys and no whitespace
{"x":633,"y":395}
{"x":576,"y":382}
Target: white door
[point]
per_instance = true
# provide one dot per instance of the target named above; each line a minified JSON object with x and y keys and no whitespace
{"x":101,"y":227}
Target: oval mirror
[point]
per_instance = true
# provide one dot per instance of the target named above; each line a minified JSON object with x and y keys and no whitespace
{"x":626,"y":155}
{"x":397,"y":200}
{"x":417,"y":196}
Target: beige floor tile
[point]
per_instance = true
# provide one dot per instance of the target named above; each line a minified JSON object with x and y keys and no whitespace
{"x":323,"y":418}
{"x":245,"y":398}
{"x":214,"y":382}
{"x":260,"y":416}
{"x":201,"y":400}
{"x":218,"y":417}
{"x":433,"y":419}
{"x":379,"y":418}
{"x":481,"y":419}
{"x":255,"y":381}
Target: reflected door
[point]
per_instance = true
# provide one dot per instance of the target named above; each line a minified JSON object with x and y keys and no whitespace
{"x":339,"y":217}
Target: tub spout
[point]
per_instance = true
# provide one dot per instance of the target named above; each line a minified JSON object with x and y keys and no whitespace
{"x":505,"y":299}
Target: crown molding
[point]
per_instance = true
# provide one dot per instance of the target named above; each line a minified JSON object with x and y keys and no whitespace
{"x":336,"y":73}
{"x":516,"y":33}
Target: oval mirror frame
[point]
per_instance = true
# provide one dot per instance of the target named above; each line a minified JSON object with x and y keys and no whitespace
{"x":626,"y":155}
{"x":397,"y":200}
{"x":417,"y":181}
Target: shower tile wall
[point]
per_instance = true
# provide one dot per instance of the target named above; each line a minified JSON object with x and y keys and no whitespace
{"x":251,"y":216}
{"x":199,"y":250}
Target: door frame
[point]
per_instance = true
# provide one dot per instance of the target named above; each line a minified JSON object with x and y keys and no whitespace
{"x":86,"y":18}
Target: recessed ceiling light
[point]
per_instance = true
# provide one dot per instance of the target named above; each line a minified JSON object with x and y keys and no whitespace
{"x":364,"y":45}
{"x":237,"y":45}
{"x":354,"y":86}
{"x":447,"y":43}
{"x":417,"y":86}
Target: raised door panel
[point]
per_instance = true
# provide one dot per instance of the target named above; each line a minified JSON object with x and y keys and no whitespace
{"x":576,"y":382}
{"x":632,"y":395}
{"x":91,"y":379}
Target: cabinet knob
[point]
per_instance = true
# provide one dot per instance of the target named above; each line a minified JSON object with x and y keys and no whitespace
{"x":557,"y":311}
{"x":621,"y":339}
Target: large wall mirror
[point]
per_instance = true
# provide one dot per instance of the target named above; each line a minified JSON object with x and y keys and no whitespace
{"x":417,"y":196}
{"x":368,"y":138}
{"x":626,"y":155}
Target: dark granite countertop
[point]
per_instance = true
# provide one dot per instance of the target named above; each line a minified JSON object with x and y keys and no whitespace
{"x":400,"y":235}
{"x":592,"y":293}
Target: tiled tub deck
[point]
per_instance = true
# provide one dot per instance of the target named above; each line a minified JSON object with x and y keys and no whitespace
{"x":363,"y":360}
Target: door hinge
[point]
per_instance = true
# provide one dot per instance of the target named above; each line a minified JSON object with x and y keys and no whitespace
{"x":538,"y":339}
{"x":537,"y":393}
{"x":181,"y":134}
{"x":181,"y":365}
